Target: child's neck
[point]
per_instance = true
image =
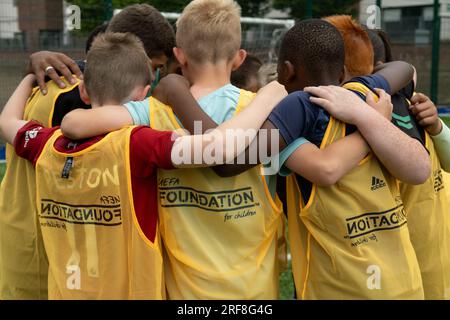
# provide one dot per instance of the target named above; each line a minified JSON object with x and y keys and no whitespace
{"x":324,"y":81}
{"x":95,"y":105}
{"x":208,"y":78}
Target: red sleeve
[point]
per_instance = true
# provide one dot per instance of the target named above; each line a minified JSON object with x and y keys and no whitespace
{"x":31,"y":139}
{"x":150,"y":150}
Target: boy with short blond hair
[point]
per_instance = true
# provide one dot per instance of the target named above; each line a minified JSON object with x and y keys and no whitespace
{"x":219,"y":24}
{"x":224,"y":248}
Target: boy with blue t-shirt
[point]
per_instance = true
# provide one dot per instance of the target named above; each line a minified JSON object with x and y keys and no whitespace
{"x":333,"y":259}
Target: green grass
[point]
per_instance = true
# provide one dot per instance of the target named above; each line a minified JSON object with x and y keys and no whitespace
{"x":2,"y":171}
{"x":287,"y":285}
{"x":286,"y":280}
{"x":447,"y":121}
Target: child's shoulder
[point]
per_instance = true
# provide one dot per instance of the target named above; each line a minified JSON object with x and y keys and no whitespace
{"x":299,"y":98}
{"x":371,"y":81}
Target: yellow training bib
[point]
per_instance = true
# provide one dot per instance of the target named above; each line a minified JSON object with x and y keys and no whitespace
{"x":350,"y":241}
{"x":429,"y":228}
{"x":428,"y":223}
{"x":95,"y":246}
{"x":219,"y":234}
{"x":23,"y":262}
{"x":447,"y":184}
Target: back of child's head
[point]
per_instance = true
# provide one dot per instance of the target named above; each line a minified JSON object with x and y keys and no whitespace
{"x":358,"y":48}
{"x":387,"y":45}
{"x":268,"y":73}
{"x":116,"y":65}
{"x":209,"y":31}
{"x":316,"y":47}
{"x":149,"y":25}
{"x":247,"y":76}
{"x":97,"y":30}
{"x":381,"y":46}
{"x":379,"y":52}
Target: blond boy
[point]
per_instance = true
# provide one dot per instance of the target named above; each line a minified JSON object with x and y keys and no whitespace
{"x":219,"y":234}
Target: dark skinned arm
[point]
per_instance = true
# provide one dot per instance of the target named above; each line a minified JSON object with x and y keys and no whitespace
{"x":233,"y":169}
{"x":188,"y":112}
{"x":173,"y":90}
{"x":398,"y":74}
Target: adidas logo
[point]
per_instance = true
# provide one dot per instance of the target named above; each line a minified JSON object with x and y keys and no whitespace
{"x":377,"y":184}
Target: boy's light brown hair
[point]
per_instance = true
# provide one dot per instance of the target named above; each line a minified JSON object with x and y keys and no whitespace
{"x":116,"y":65}
{"x":210,"y":30}
{"x":358,"y":47}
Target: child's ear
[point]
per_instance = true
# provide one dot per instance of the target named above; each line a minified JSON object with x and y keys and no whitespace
{"x":239,"y":59}
{"x":289,"y":71}
{"x":181,"y":57}
{"x":143,"y":93}
{"x":83,"y":93}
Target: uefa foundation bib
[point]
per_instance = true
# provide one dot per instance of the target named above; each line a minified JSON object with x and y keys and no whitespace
{"x":219,"y":234}
{"x":350,"y":241}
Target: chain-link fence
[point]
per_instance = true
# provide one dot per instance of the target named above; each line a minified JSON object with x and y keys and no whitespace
{"x":28,"y":26}
{"x":411,"y":28}
{"x":260,"y":37}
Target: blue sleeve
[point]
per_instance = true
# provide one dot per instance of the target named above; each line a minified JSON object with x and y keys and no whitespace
{"x":139,"y":111}
{"x":374,"y":81}
{"x":286,"y":153}
{"x":276,"y":165}
{"x":295,"y":116}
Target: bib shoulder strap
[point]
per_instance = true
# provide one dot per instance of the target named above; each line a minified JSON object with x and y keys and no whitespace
{"x":37,"y":100}
{"x":158,"y":110}
{"x":245,"y":97}
{"x":335,"y":130}
{"x":361,"y":88}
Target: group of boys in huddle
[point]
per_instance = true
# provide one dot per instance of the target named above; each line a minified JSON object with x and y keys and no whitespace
{"x":96,"y":204}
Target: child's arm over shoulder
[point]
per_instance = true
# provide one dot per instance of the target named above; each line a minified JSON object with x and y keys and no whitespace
{"x":427,"y":115}
{"x":230,"y":139}
{"x":397,"y":74}
{"x":442,"y":146}
{"x":86,"y":123}
{"x":31,"y":139}
{"x":392,"y":147}
{"x":442,"y":143}
{"x":28,"y":138}
{"x":172,"y":90}
{"x":292,"y":118}
{"x":325,"y":167}
{"x":12,"y":114}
